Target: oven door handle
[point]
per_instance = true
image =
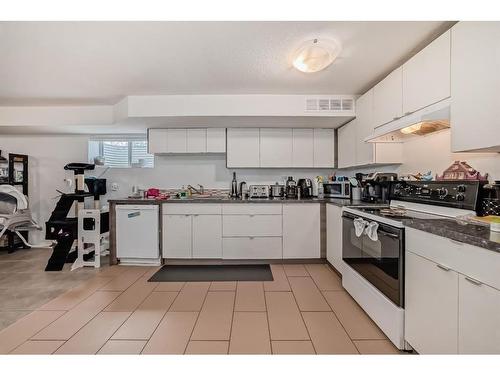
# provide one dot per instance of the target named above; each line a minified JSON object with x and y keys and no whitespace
{"x":384,"y":233}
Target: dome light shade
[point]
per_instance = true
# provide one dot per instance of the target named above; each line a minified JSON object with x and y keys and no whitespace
{"x":315,"y":55}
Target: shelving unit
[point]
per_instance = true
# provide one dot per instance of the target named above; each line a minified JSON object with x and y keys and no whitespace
{"x":17,"y":166}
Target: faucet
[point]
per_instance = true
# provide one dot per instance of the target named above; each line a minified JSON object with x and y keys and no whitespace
{"x":200,"y":190}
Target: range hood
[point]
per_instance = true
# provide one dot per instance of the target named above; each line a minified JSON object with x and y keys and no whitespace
{"x":422,"y":122}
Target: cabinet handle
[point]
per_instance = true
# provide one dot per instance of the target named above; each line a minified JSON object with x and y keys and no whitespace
{"x":187,"y":215}
{"x":456,"y":242}
{"x":251,"y":215}
{"x":444,"y":268}
{"x":408,"y":113}
{"x":196,"y":215}
{"x":473,"y":281}
{"x":251,"y":237}
{"x":395,"y":118}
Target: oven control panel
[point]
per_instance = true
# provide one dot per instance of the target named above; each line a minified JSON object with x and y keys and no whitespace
{"x":457,"y":194}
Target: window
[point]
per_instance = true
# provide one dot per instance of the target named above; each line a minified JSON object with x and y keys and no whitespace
{"x":121,"y":152}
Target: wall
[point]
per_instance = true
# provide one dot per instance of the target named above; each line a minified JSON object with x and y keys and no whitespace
{"x":49,"y":154}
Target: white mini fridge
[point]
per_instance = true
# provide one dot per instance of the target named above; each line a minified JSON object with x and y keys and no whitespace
{"x":137,"y":238}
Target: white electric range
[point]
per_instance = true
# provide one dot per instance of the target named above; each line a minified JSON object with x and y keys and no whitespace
{"x":373,"y":244}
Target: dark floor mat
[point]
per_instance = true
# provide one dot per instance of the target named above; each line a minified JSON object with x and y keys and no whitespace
{"x":225,"y":272}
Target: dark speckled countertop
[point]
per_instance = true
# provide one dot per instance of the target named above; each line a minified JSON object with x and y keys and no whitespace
{"x":472,"y":234}
{"x":335,"y":201}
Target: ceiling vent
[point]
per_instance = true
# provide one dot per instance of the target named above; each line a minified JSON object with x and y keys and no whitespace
{"x":329,"y":104}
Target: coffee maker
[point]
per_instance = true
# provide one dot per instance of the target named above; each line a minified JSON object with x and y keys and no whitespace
{"x":305,"y":186}
{"x":377,"y":187}
{"x":291,"y":188}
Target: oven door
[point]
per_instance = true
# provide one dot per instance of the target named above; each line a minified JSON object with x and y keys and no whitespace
{"x":380,"y":262}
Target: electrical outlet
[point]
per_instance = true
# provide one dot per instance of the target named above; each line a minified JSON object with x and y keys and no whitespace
{"x":114,"y":186}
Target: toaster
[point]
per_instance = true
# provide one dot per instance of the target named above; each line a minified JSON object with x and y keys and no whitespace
{"x":258,"y":191}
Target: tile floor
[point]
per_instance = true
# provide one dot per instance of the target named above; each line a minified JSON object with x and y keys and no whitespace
{"x":115,"y":310}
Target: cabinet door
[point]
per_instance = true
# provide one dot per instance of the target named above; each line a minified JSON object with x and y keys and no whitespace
{"x":334,"y":236}
{"x":196,"y":140}
{"x":347,"y":144}
{"x":364,"y":128}
{"x":275,"y":147}
{"x":475,"y":81}
{"x":157,"y":141}
{"x":431,"y":306}
{"x":177,"y":140}
{"x":324,"y":148}
{"x":216,"y":140}
{"x":243,"y":147}
{"x":388,"y":98}
{"x":207,"y":236}
{"x":426,"y":76}
{"x":303,"y":148}
{"x":301,"y":230}
{"x":177,"y":236}
{"x":478,"y":318}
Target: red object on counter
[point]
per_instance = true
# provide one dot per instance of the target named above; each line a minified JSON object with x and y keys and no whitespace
{"x":152,"y":193}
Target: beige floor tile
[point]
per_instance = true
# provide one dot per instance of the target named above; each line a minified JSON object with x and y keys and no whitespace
{"x":129,"y":347}
{"x":250,"y":296}
{"x":169,"y":286}
{"x":308,"y":296}
{"x":355,"y":321}
{"x":285,"y":321}
{"x":214,"y":322}
{"x":20,"y":331}
{"x":144,"y":320}
{"x":223,"y":286}
{"x":125,"y":279}
{"x":293,"y":347}
{"x":376,"y":347}
{"x":250,"y":334}
{"x":131,"y":298}
{"x":295,"y":270}
{"x":172,"y":334}
{"x":38,"y":347}
{"x":280,"y":282}
{"x":113,"y":271}
{"x":91,"y":338}
{"x":327,"y":334}
{"x":191,"y":297}
{"x":324,"y":277}
{"x":73,"y":297}
{"x":68,"y":324}
{"x":207,"y":347}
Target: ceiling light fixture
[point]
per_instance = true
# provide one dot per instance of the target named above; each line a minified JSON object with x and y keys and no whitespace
{"x":315,"y":55}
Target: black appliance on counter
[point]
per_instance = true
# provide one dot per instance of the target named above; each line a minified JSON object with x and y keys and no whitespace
{"x":376,"y":187}
{"x":305,"y":186}
{"x":291,"y":188}
{"x":490,"y":199}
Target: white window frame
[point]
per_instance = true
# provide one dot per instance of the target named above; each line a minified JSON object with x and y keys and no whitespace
{"x":119,"y":138}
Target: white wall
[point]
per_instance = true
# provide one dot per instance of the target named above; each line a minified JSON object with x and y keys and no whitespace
{"x":49,"y":154}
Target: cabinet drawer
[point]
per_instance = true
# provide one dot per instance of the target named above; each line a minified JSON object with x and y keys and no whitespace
{"x":251,"y":209}
{"x":251,"y":225}
{"x":192,"y":209}
{"x":472,"y":261}
{"x":251,"y":248}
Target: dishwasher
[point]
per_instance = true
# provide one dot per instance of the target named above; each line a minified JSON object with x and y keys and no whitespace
{"x":137,"y":238}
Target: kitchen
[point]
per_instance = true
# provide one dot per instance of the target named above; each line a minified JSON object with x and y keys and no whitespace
{"x":386,"y":191}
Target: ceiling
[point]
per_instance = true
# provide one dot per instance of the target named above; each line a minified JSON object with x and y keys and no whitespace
{"x":82,"y":63}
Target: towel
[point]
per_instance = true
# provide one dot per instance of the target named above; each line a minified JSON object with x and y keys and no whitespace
{"x":359,"y":226}
{"x":371,"y":230}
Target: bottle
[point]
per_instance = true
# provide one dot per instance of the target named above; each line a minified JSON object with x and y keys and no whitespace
{"x":234,"y":187}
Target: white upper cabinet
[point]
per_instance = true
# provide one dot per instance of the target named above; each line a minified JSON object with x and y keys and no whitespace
{"x":243,"y":147}
{"x":365,"y":152}
{"x":347,"y":144}
{"x":216,"y":140}
{"x":303,"y":148}
{"x":475,"y":84}
{"x":177,"y":140}
{"x":276,"y":147}
{"x":157,"y":141}
{"x":426,"y":76}
{"x":196,"y":140}
{"x":324,"y":148}
{"x":388,"y":98}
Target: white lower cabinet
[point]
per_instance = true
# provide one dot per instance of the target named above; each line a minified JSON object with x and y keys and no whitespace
{"x":301,"y":230}
{"x":478,"y":318}
{"x":334,"y":236}
{"x":252,"y":225}
{"x":252,"y":248}
{"x":177,"y":236}
{"x":207,"y":236}
{"x":431,"y":306}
